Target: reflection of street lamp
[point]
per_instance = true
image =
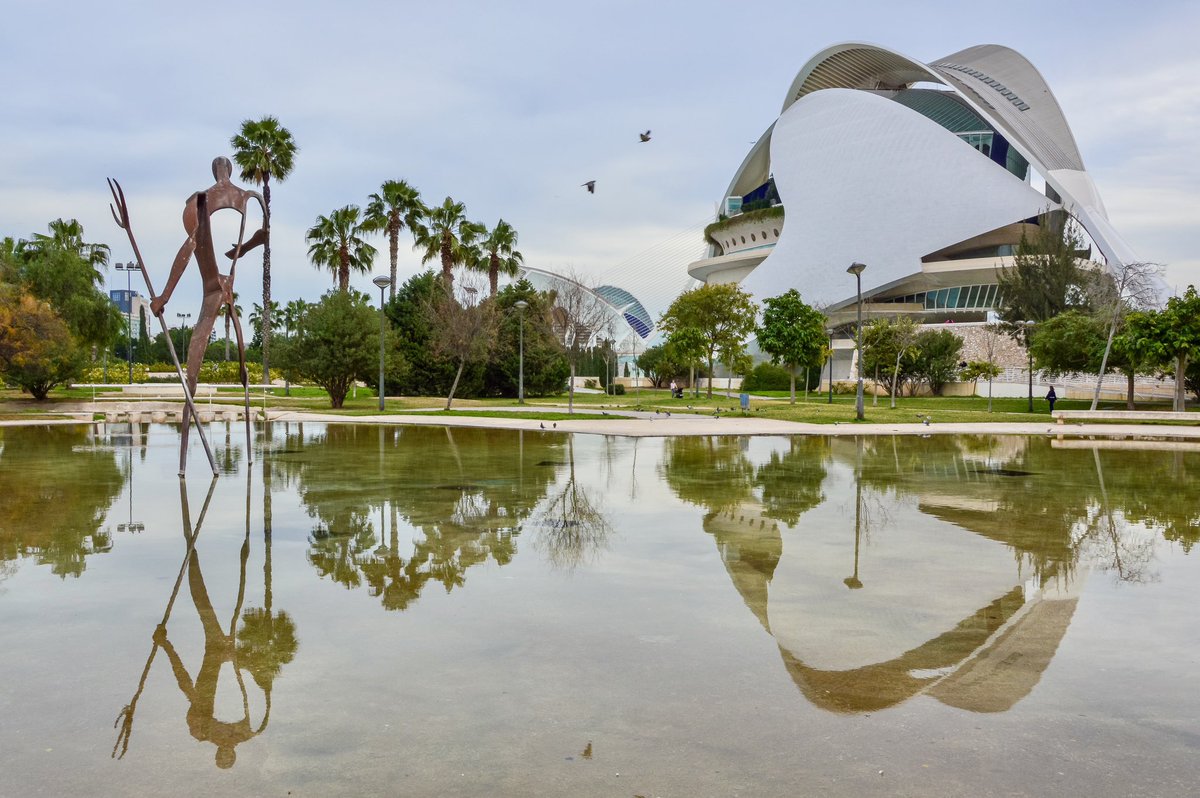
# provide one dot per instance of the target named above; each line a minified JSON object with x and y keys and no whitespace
{"x":127,"y":268}
{"x":132,"y":526}
{"x":383,"y":282}
{"x":1025,"y":325}
{"x":857,"y":269}
{"x":520,"y":305}
{"x":853,"y":581}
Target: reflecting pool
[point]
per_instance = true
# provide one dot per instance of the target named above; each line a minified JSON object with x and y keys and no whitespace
{"x":435,"y":611}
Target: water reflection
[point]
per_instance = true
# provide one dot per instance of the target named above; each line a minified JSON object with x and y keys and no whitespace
{"x":399,"y":507}
{"x":264,"y":642}
{"x":57,"y":483}
{"x":966,"y":556}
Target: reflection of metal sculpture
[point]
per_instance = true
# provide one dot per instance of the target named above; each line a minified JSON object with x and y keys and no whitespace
{"x":218,"y":288}
{"x":265,"y":642}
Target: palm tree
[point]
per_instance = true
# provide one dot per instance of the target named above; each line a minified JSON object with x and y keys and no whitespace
{"x":224,"y":312}
{"x":336,"y":243}
{"x":262,"y":150}
{"x":499,"y":246}
{"x":257,"y":316}
{"x":395,"y":206}
{"x":66,"y":235}
{"x":446,"y":234}
{"x":292,"y":313}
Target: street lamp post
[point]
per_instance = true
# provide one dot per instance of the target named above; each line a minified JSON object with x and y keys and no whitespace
{"x":127,"y":268}
{"x":382,"y":282}
{"x":520,"y":305}
{"x":857,"y":269}
{"x":183,"y":325}
{"x":830,"y":367}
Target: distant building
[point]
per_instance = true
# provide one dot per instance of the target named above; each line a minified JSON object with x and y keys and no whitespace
{"x":132,"y":305}
{"x":927,"y":173}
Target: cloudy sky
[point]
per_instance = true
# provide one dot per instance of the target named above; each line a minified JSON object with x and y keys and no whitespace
{"x":509,"y":107}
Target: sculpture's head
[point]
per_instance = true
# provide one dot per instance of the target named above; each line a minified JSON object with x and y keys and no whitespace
{"x":226,"y":756}
{"x":222,"y":168}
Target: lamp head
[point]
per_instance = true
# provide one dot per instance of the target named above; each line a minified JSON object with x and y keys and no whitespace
{"x":382,"y":281}
{"x":520,"y":304}
{"x":856,"y":268}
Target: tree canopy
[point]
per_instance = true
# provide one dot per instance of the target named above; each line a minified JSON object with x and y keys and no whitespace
{"x":792,"y":333}
{"x":719,"y":317}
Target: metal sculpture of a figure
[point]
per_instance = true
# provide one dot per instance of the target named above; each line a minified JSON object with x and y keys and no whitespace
{"x":217,"y":287}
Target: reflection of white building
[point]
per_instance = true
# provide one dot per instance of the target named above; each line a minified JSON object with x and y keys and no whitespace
{"x":927,"y":173}
{"x":628,"y":323}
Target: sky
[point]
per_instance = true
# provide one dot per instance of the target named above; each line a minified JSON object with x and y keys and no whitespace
{"x":510,"y":107}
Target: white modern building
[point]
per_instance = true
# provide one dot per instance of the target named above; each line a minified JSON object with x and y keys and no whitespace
{"x":627,"y":322}
{"x":929,"y":173}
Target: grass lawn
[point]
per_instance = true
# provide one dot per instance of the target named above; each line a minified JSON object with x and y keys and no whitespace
{"x":817,"y":410}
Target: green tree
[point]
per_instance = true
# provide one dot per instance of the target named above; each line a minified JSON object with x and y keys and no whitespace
{"x":397,"y":205}
{"x":1168,"y":337}
{"x":223,"y":313}
{"x":1045,"y":278}
{"x":1123,"y":287}
{"x":264,"y":149}
{"x":256,"y":320}
{"x":793,"y":334}
{"x":429,"y":374}
{"x":721,"y":315}
{"x":37,"y":351}
{"x":336,"y":242}
{"x":66,"y":235}
{"x":337,"y":344}
{"x":546,"y":367}
{"x":662,"y":363}
{"x":500,"y":255}
{"x":937,"y":358}
{"x":889,"y":351}
{"x":447,"y":236}
{"x":1070,"y":343}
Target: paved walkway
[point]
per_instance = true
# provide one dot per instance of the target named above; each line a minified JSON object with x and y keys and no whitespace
{"x":645,"y":424}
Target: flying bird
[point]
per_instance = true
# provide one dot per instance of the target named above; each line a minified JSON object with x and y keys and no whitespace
{"x":590,"y":186}
{"x":644,"y":136}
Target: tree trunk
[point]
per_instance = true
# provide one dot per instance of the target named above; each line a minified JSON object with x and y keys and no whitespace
{"x":695,"y":389}
{"x":895,"y":382}
{"x":454,"y":387}
{"x":874,"y":385}
{"x":1130,"y":377}
{"x":571,"y":389}
{"x":266,"y":314}
{"x":1112,"y":329}
{"x":711,"y":364}
{"x":447,"y":264}
{"x":792,"y":374}
{"x":1180,"y":389}
{"x":394,"y":252}
{"x":989,"y":394}
{"x":226,"y":334}
{"x":494,"y":274}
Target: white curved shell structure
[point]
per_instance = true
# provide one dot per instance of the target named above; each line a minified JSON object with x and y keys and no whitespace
{"x":928,"y":173}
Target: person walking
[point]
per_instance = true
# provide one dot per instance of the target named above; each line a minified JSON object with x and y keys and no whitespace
{"x":1051,"y":397}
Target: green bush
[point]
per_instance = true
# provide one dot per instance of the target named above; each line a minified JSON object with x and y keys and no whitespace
{"x":118,"y":372}
{"x":769,"y":377}
{"x":619,"y":389}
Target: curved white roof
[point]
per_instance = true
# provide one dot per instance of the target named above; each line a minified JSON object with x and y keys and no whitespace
{"x":826,"y":185}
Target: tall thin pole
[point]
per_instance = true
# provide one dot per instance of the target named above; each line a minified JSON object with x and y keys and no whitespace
{"x":830,"y":367}
{"x":857,"y":269}
{"x":382,"y":282}
{"x":129,"y":318}
{"x":521,"y":305}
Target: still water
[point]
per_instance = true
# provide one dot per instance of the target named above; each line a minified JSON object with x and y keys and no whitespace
{"x":427,"y":611}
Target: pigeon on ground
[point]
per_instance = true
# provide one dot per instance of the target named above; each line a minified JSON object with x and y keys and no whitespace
{"x":644,"y":136}
{"x":668,"y":412}
{"x":555,"y":425}
{"x":540,"y":424}
{"x":590,"y":186}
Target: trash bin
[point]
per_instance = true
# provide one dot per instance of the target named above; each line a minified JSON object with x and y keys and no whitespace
{"x":744,"y":398}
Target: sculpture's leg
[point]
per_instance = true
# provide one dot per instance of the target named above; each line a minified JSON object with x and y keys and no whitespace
{"x":196,"y":350}
{"x":241,"y":346}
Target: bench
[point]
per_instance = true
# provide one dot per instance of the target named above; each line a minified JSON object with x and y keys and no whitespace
{"x":1125,"y":415}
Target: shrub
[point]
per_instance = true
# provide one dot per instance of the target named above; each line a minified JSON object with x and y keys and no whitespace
{"x":619,"y":389}
{"x":768,"y":377}
{"x":118,"y":372}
